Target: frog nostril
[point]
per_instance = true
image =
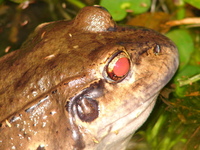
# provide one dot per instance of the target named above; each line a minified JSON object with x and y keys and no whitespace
{"x":157,"y":49}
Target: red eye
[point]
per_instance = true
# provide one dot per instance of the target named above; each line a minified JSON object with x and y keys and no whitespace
{"x":118,"y":66}
{"x":121,"y":67}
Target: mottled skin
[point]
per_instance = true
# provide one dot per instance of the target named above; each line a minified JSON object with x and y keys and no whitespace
{"x":55,"y":92}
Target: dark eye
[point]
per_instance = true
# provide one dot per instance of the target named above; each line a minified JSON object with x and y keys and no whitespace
{"x":118,"y":66}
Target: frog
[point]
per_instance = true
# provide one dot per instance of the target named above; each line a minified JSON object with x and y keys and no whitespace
{"x":86,"y":83}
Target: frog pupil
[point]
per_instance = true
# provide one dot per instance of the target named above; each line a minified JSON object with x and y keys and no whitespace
{"x":121,"y":67}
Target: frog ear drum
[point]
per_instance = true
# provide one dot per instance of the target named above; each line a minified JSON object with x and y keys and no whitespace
{"x":87,"y":109}
{"x":117,"y":67}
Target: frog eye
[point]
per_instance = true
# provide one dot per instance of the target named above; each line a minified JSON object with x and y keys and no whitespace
{"x":118,"y":66}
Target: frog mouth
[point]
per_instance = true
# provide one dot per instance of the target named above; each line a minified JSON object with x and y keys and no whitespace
{"x":133,"y":115}
{"x":128,"y":124}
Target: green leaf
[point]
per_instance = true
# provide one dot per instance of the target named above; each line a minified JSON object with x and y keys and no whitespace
{"x":184,"y":74}
{"x":114,"y":8}
{"x":119,"y":8}
{"x":140,"y":6}
{"x":195,"y":3}
{"x":185,"y":45}
{"x":188,"y":71}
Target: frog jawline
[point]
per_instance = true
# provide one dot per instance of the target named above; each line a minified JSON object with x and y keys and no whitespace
{"x":122,"y":130}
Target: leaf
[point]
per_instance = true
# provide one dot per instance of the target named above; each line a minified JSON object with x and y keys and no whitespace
{"x":119,"y":8}
{"x":155,"y":21}
{"x":114,"y":9}
{"x":185,"y":45}
{"x":188,"y":71}
{"x":195,"y":3}
{"x":184,"y":74}
{"x":140,"y":6}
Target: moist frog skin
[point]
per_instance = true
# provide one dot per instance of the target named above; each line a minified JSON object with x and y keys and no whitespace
{"x":82,"y":84}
